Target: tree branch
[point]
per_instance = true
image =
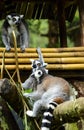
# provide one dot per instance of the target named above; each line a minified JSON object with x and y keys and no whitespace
{"x":70,"y":111}
{"x":9,"y":92}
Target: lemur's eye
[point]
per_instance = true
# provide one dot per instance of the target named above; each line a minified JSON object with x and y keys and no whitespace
{"x":39,"y":64}
{"x":34,"y":66}
{"x":14,"y":19}
{"x":39,"y":72}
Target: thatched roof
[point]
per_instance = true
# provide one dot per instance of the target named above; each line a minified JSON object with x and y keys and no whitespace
{"x":37,"y":9}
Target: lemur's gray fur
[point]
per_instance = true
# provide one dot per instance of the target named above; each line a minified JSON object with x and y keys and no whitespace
{"x":31,"y":82}
{"x":17,"y":23}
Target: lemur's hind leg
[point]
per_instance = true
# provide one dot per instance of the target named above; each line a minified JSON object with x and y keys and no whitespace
{"x":38,"y":106}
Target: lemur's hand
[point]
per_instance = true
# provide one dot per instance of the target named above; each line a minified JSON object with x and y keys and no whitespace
{"x":26,"y":95}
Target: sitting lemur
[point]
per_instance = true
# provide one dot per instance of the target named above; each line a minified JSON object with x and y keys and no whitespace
{"x":48,"y":92}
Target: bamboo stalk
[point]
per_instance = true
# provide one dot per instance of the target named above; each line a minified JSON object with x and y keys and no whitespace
{"x":2,"y":67}
{"x":50,"y":66}
{"x":45,"y":55}
{"x":65,"y":66}
{"x":12,"y":54}
{"x":20,"y":60}
{"x":71,"y":49}
{"x":69,"y":60}
{"x":64,"y":54}
{"x":48,"y":60}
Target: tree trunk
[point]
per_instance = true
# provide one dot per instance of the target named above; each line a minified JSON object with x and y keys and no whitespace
{"x":81,"y":14}
{"x":53,"y":34}
{"x":11,"y":94}
{"x":62,"y":23}
{"x":7,"y":120}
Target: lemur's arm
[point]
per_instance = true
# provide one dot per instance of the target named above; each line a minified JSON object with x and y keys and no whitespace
{"x":5,"y":39}
{"x":34,"y":95}
{"x":24,"y":38}
{"x":29,"y":83}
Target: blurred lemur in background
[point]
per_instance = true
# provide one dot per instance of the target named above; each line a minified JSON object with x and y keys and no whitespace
{"x":17,"y":23}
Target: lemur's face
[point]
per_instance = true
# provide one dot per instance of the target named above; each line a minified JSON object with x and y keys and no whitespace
{"x":36,"y":64}
{"x":14,"y":19}
{"x":38,"y":74}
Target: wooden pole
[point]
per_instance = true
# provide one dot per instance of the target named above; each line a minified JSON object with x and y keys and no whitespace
{"x":62,"y":23}
{"x":53,"y":60}
{"x":45,"y":55}
{"x":43,"y":50}
{"x":65,"y":66}
{"x":81,"y":14}
{"x":2,"y":67}
{"x":49,"y":66}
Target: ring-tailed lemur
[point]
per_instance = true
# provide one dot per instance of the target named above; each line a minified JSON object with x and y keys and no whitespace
{"x":49,"y":92}
{"x":36,"y":64}
{"x":17,"y":23}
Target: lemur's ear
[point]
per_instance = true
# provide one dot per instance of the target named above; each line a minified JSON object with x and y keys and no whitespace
{"x":45,"y":64}
{"x":21,"y":16}
{"x":8,"y":17}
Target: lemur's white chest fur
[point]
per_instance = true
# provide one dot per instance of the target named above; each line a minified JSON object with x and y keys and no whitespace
{"x":11,"y":29}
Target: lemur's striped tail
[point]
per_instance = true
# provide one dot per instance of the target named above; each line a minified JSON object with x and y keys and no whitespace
{"x":48,"y":116}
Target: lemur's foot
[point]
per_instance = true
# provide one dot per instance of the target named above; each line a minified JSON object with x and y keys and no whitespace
{"x":26,"y":95}
{"x":8,"y":48}
{"x":22,"y":48}
{"x":30,"y":113}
